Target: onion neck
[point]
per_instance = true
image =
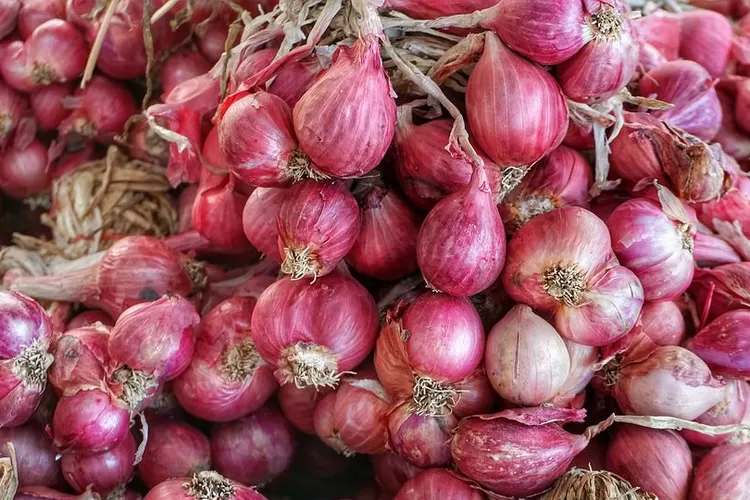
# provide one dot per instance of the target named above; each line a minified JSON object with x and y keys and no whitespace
{"x":308,"y":365}
{"x":565,"y":283}
{"x":209,"y":485}
{"x":240,"y":361}
{"x":73,"y":286}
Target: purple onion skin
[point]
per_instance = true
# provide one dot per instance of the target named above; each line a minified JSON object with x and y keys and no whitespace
{"x":723,"y":474}
{"x":35,"y":455}
{"x":724,"y":344}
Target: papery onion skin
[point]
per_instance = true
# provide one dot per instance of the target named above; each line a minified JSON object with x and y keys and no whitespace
{"x":729,"y":411}
{"x":723,"y":473}
{"x":661,"y":30}
{"x":386,"y":246}
{"x":35,"y":455}
{"x":709,"y":40}
{"x":81,"y":359}
{"x":461,"y":244}
{"x":259,"y":220}
{"x":635,"y":156}
{"x":422,"y":441}
{"x":156,"y":337}
{"x":607,"y":62}
{"x":657,"y":461}
{"x":526,"y":360}
{"x":516,"y":452}
{"x":89,"y":420}
{"x":180,"y":67}
{"x":202,"y":487}
{"x":350,"y":103}
{"x":318,"y":223}
{"x":102,"y":471}
{"x":392,"y":471}
{"x":657,"y":248}
{"x":22,"y":322}
{"x":724,"y":344}
{"x":226,"y":378}
{"x":427,"y":9}
{"x":670,"y":382}
{"x":329,"y":325}
{"x":506,"y":136}
{"x":437,"y":483}
{"x":293,"y":80}
{"x":253,"y":449}
{"x":690,"y":88}
{"x":727,"y":286}
{"x":174,"y":449}
{"x":563,"y":178}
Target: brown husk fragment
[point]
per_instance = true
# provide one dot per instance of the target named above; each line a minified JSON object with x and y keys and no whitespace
{"x":581,"y":484}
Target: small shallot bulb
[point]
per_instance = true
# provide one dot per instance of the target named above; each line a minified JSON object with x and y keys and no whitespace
{"x":48,"y":105}
{"x":226,"y":379}
{"x":253,"y":449}
{"x":656,"y":461}
{"x":312,"y":332}
{"x":507,"y":136}
{"x":174,"y":449}
{"x":258,"y":142}
{"x":607,"y":62}
{"x":461,"y":245}
{"x":319,"y":222}
{"x":435,"y":343}
{"x":729,"y":411}
{"x":655,"y":240}
{"x":690,"y":89}
{"x":102,"y":472}
{"x":294,"y":79}
{"x":25,"y":335}
{"x":635,"y":153}
{"x":723,"y":473}
{"x":517,"y":452}
{"x":180,"y":67}
{"x":206,"y":485}
{"x":707,"y":39}
{"x":353,"y":418}
{"x":563,"y":178}
{"x":437,"y":483}
{"x":724,"y":344}
{"x":24,"y":171}
{"x":13,"y":105}
{"x":35,"y":455}
{"x":423,"y":441}
{"x":259,"y":220}
{"x":661,"y":30}
{"x":386,"y":246}
{"x":670,"y":382}
{"x":91,"y":420}
{"x":526,"y":360}
{"x":350,"y":103}
{"x":561,"y":263}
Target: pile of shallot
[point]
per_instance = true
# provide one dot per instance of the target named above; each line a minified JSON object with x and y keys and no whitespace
{"x":374,"y":249}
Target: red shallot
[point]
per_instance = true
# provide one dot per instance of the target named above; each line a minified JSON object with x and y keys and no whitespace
{"x":254,"y":449}
{"x":174,"y":449}
{"x":707,"y":40}
{"x":206,"y":485}
{"x":91,"y":420}
{"x":13,"y":106}
{"x":226,"y":379}
{"x":24,"y":171}
{"x":298,"y":405}
{"x":437,"y":483}
{"x":35,"y":455}
{"x":725,"y":344}
{"x":423,"y":441}
{"x":81,"y":359}
{"x":259,"y":220}
{"x":392,"y":471}
{"x":48,"y":105}
{"x":180,"y":67}
{"x":102,"y":472}
{"x":729,"y":411}
{"x":33,"y":13}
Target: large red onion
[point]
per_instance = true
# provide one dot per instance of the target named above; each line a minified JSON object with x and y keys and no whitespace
{"x":563,"y":178}
{"x":517,"y":452}
{"x":35,"y":455}
{"x":25,"y":335}
{"x":392,"y":471}
{"x":707,"y":39}
{"x":655,"y":240}
{"x":350,"y":103}
{"x":133,"y":270}
{"x":386,"y":246}
{"x":81,"y":359}
{"x":206,"y":485}
{"x":311,"y":333}
{"x":174,"y":449}
{"x":658,"y":462}
{"x":461,"y":244}
{"x":723,"y":473}
{"x":181,"y":67}
{"x":607,"y":62}
{"x":670,"y":382}
{"x":24,"y":171}
{"x":425,"y":169}
{"x":298,"y":405}
{"x":725,"y":344}
{"x":254,"y":449}
{"x":561,"y":263}
{"x":102,"y":472}
{"x":227,"y":379}
{"x":424,"y":351}
{"x":509,"y":137}
{"x":690,"y":89}
{"x":437,"y":483}
{"x":423,"y":441}
{"x":259,"y":220}
{"x":353,"y":419}
{"x":318,"y":223}
{"x":90,"y":420}
{"x":55,"y":52}
{"x":526,"y":360}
